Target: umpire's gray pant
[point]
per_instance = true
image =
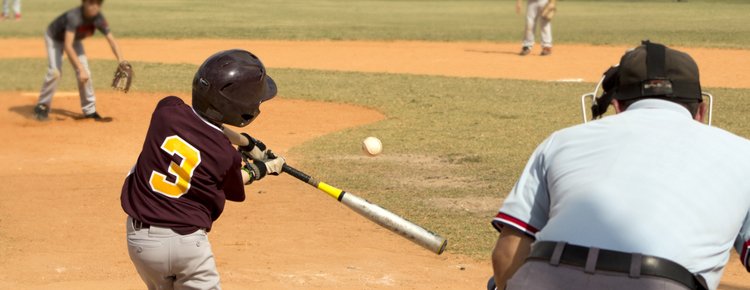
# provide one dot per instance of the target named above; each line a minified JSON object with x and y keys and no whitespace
{"x":54,"y":73}
{"x":541,"y":275}
{"x":166,"y":260}
{"x":534,"y":18}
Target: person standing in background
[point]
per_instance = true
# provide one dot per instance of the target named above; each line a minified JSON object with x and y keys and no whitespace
{"x":65,"y":34}
{"x":16,"y":9}
{"x":538,"y":14}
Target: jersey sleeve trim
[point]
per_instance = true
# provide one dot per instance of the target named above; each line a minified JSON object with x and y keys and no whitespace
{"x":502,"y":219}
{"x":746,"y":255}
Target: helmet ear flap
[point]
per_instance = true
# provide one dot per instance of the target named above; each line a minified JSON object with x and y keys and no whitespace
{"x":213,"y":114}
{"x":609,"y":83}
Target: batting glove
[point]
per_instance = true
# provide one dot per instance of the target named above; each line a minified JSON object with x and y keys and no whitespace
{"x":255,"y":149}
{"x":258,"y":169}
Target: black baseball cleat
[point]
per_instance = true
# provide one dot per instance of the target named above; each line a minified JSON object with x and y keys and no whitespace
{"x":94,"y":116}
{"x":491,"y":284}
{"x":97,"y":117}
{"x":525,"y":51}
{"x":546,"y":51}
{"x":41,"y":112}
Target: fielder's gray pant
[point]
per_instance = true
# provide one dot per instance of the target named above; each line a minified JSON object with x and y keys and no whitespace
{"x":54,"y":73}
{"x":16,"y":7}
{"x":534,"y":18}
{"x":541,"y":275}
{"x":167,"y":260}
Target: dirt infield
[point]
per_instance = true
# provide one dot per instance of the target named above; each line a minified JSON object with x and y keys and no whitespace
{"x":719,"y":67}
{"x":61,"y":226}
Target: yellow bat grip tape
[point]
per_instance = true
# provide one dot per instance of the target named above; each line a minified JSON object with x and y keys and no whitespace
{"x":330,"y":190}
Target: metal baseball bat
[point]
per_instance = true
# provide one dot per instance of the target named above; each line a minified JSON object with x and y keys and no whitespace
{"x":373,"y":212}
{"x":377,"y":214}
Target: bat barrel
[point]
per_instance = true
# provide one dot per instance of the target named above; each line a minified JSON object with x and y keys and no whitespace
{"x":395,"y":223}
{"x":377,"y":214}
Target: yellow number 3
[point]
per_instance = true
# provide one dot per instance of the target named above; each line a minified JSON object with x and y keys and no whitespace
{"x":183,"y":172}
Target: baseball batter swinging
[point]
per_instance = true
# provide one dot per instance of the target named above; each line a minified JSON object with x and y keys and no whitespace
{"x":188,"y":168}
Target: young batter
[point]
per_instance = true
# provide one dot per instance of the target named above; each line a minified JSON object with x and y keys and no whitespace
{"x":65,"y":33}
{"x":188,"y":168}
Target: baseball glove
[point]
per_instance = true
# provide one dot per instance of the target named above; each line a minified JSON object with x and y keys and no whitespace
{"x":123,"y":77}
{"x":549,"y":10}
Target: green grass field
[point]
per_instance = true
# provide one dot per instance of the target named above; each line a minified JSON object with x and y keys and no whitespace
{"x":693,"y":23}
{"x":447,"y":140}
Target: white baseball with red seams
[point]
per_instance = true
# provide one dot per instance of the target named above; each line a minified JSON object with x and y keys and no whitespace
{"x":372,"y":146}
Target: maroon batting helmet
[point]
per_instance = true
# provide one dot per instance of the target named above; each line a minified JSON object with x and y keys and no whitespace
{"x":229,"y":87}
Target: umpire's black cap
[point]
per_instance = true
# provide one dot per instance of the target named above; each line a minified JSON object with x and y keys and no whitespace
{"x":653,"y":70}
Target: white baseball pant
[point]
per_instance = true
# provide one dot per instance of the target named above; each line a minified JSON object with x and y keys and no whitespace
{"x":54,"y":73}
{"x":167,"y":260}
{"x":534,"y":19}
{"x":16,"y":7}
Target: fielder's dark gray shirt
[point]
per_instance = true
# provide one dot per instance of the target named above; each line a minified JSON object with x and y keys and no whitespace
{"x":74,"y":21}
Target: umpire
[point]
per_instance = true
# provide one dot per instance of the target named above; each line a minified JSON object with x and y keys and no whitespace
{"x":649,"y":198}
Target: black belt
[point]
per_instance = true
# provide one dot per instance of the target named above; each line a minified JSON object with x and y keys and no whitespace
{"x":139,"y":224}
{"x":615,"y":261}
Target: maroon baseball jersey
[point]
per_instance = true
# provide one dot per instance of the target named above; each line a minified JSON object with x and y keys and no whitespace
{"x":185,"y":172}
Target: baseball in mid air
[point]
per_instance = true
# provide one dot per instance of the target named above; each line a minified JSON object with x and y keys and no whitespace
{"x":372,"y":146}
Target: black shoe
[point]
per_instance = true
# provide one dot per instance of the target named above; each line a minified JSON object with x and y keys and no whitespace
{"x":525,"y":50}
{"x":94,"y":116}
{"x":97,"y":117}
{"x":546,"y":51}
{"x":41,"y":112}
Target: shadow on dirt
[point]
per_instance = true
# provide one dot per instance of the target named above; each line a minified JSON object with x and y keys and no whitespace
{"x":492,"y":51}
{"x":27,"y":111}
{"x":725,"y":286}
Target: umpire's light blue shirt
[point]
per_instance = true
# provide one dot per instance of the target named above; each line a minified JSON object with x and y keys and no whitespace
{"x":650,"y":180}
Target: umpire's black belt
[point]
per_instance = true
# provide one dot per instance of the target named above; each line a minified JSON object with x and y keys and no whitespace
{"x":592,"y":259}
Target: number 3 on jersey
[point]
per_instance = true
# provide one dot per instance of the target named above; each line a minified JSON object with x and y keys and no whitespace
{"x":182,"y":172}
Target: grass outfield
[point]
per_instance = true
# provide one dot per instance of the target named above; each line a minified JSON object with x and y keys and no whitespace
{"x":694,"y":23}
{"x":453,"y":146}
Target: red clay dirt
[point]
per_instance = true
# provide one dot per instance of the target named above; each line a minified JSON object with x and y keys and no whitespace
{"x":61,"y":226}
{"x":719,"y":67}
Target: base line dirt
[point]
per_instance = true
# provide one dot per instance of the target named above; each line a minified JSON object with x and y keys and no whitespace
{"x":719,"y":67}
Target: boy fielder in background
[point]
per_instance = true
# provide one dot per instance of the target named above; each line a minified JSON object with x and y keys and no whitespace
{"x":188,"y":168}
{"x":65,"y":33}
{"x":538,"y":12}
